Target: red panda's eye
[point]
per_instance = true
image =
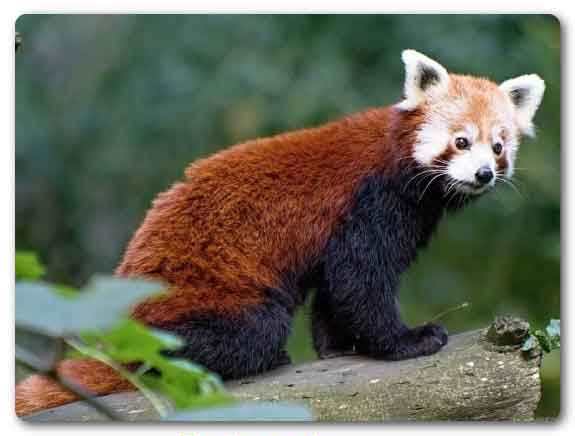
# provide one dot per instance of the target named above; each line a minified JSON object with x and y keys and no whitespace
{"x":462,"y":143}
{"x":497,"y":148}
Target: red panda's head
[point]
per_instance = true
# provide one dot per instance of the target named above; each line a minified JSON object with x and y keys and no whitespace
{"x":471,"y":126}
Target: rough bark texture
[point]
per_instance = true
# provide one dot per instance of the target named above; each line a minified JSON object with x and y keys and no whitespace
{"x":479,"y":375}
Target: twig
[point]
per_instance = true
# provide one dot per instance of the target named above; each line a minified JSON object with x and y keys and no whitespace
{"x":89,"y":397}
{"x":451,"y":310}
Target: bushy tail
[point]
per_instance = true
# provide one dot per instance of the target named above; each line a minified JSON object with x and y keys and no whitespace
{"x":39,"y":392}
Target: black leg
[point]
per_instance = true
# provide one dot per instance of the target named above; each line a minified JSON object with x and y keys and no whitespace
{"x":379,"y":330}
{"x":236,"y":346}
{"x":281,"y":359}
{"x":330,"y":338}
{"x":363,"y":263}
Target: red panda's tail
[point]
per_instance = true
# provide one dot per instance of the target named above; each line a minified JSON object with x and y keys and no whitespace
{"x":39,"y":392}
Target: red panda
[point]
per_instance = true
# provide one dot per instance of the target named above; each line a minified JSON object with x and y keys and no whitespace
{"x":343,"y":208}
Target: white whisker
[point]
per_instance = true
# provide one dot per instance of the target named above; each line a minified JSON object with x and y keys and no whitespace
{"x":423,"y":174}
{"x":430,"y":182}
{"x":510,"y":183}
{"x":453,"y":188}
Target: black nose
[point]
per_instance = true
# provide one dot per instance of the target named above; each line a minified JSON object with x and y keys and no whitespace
{"x":484,"y":175}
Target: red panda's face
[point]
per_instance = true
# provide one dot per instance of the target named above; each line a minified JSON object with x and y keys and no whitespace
{"x":469,"y":135}
{"x":471,"y":126}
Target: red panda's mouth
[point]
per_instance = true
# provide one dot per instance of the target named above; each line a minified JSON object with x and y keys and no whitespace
{"x":473,"y":187}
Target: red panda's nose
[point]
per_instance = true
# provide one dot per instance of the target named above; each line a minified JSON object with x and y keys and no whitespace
{"x":484,"y":175}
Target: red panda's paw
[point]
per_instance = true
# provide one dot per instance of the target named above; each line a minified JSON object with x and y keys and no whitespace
{"x":332,"y":354}
{"x":419,"y":341}
{"x":434,"y":332}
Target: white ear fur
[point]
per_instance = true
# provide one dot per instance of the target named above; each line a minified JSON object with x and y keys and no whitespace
{"x":525,"y":93}
{"x":424,"y":79}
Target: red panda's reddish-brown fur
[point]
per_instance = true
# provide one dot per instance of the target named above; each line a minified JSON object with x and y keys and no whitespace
{"x":225,"y":248}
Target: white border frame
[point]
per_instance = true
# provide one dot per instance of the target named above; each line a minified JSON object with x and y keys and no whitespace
{"x":9,"y":13}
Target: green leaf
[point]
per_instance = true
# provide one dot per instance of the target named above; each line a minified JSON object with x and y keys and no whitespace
{"x":169,"y":341}
{"x":185,"y":393}
{"x":247,"y":411}
{"x":115,"y":286}
{"x":543,"y":340}
{"x":548,"y":339}
{"x":98,"y":306}
{"x":95,"y":314}
{"x":186,"y":384}
{"x":28,"y":267}
{"x":529,"y":343}
{"x":553,"y":329}
{"x":66,"y":291}
{"x":131,"y":341}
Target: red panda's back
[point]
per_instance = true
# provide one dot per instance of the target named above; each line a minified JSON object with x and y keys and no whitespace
{"x":249,"y":214}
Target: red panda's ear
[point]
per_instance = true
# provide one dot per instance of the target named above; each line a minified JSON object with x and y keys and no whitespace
{"x":526,"y":93}
{"x":425,"y":79}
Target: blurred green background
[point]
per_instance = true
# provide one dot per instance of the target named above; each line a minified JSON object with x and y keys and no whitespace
{"x":111,"y":109}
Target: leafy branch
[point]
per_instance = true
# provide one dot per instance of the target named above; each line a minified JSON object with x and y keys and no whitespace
{"x":92,"y":321}
{"x":53,"y":319}
{"x":156,"y":402}
{"x":548,"y":339}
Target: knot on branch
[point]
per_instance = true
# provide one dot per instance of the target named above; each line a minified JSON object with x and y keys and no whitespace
{"x":508,"y":332}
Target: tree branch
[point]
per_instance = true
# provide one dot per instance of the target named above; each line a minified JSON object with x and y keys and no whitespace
{"x":479,"y":375}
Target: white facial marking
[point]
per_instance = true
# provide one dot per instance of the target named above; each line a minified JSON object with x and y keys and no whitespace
{"x":496,"y":134}
{"x":464,"y":166}
{"x":472,"y":132}
{"x":434,"y":136}
{"x":432,"y":140}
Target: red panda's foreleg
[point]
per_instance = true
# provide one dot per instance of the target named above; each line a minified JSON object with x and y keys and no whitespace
{"x":362,"y":267}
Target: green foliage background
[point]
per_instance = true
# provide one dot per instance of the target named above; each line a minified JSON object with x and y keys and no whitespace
{"x":110,"y":109}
